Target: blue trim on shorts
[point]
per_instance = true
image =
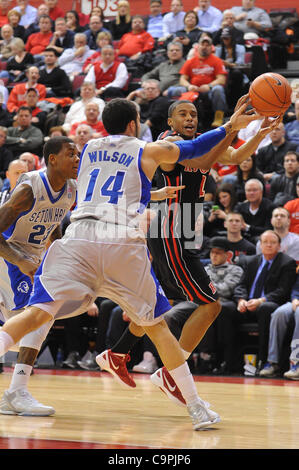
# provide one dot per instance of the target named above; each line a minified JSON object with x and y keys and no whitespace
{"x":52,"y":199}
{"x":146,"y":186}
{"x":20,"y":284}
{"x":162,"y":303}
{"x":39,"y":295}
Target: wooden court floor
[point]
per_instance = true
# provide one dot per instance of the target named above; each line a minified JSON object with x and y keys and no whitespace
{"x":94,"y":412}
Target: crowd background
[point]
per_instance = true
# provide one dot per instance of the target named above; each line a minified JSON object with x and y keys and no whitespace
{"x":59,"y":67}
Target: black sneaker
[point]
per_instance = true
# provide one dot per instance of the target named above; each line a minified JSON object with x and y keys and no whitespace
{"x":71,"y":361}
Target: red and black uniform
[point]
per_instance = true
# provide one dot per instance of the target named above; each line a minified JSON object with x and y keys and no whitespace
{"x":171,"y":238}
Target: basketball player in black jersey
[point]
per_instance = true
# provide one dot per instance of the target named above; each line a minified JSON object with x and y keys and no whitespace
{"x":176,"y":264}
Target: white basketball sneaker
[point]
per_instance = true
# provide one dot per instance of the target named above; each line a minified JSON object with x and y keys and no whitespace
{"x":22,"y":403}
{"x":201,"y":416}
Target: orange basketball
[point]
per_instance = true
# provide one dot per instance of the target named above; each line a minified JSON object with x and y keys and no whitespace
{"x":270,"y":94}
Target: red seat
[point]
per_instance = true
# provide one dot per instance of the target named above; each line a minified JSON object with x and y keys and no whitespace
{"x":77,"y":82}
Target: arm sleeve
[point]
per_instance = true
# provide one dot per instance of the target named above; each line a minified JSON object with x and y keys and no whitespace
{"x":203,"y":144}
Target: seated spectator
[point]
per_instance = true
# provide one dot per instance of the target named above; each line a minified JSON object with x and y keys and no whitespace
{"x":103,"y":39}
{"x":168,"y":73}
{"x":266,"y":284}
{"x":206,"y":74}
{"x":190,"y":34}
{"x":17,"y":95}
{"x":15,"y":169}
{"x":283,"y":186}
{"x":247,"y":170}
{"x":225,"y":202}
{"x":109,"y":75}
{"x":73,"y":22}
{"x":5,"y":6}
{"x":27,"y":11}
{"x":55,"y":79}
{"x":237,"y":244}
{"x":251,"y":19}
{"x":228,"y":21}
{"x":174,"y":20}
{"x":281,"y":320}
{"x":73,"y":59}
{"x":55,"y":131}
{"x":233,"y":56}
{"x":42,"y":9}
{"x":19,"y":61}
{"x":95,"y":27}
{"x":62,"y":38}
{"x":38,"y":116}
{"x":54,"y":10}
{"x":292,"y":128}
{"x":289,"y":242}
{"x":256,"y":210}
{"x":31,"y":160}
{"x":293,"y":208}
{"x":6,"y":155}
{"x":24,"y":137}
{"x":76,"y":112}
{"x":270,"y":157}
{"x":154,"y":21}
{"x":37,"y":43}
{"x":122,"y":22}
{"x":137,"y":42}
{"x":14,"y":18}
{"x":5,"y":42}
{"x":82,"y":135}
{"x":209,"y":17}
{"x":92,"y":112}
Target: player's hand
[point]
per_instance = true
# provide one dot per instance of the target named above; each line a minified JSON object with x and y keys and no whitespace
{"x":268,"y":125}
{"x":93,"y":311}
{"x":168,"y":192}
{"x":28,"y":267}
{"x":240,"y":119}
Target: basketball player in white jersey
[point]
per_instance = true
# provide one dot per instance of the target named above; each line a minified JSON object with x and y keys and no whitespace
{"x":29,"y":221}
{"x":103,"y":252}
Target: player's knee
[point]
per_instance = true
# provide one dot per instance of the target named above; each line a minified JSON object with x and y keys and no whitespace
{"x":37,"y":317}
{"x":215,"y":309}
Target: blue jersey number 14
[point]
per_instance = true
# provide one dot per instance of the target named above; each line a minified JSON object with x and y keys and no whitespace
{"x":111,"y":188}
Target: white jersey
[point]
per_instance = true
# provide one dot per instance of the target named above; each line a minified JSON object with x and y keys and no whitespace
{"x":30,"y":233}
{"x":112,"y":186}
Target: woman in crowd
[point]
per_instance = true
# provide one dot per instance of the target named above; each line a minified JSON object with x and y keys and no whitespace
{"x":103,"y":39}
{"x":225,"y":201}
{"x":122,"y":23}
{"x":245,"y":171}
{"x":190,"y":34}
{"x":14,"y":18}
{"x":73,"y":21}
{"x":18,"y":62}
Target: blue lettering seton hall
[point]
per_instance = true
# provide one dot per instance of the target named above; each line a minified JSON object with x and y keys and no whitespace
{"x":102,"y":156}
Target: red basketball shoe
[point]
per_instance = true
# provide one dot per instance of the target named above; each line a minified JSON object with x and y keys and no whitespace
{"x":116,"y":365}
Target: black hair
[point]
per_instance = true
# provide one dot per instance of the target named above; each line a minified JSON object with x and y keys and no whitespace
{"x":76,"y":15}
{"x":54,"y":145}
{"x":32,"y":89}
{"x":117,"y":114}
{"x":174,"y":105}
{"x":226,"y":188}
{"x":24,"y":108}
{"x":51,"y":49}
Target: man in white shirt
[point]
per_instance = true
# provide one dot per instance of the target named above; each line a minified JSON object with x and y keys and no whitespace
{"x":28,"y":12}
{"x":173,"y":21}
{"x":251,"y":19}
{"x":209,"y":17}
{"x":73,"y":59}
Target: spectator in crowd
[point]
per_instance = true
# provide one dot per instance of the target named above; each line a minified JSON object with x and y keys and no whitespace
{"x":206,"y":75}
{"x":103,"y":39}
{"x":38,"y":116}
{"x":54,"y":10}
{"x":238,"y":245}
{"x":283,"y":186}
{"x":154,"y":21}
{"x":31,"y":160}
{"x":83,"y":134}
{"x":95,"y":27}
{"x":62,"y":37}
{"x":42,"y":9}
{"x":28,"y":13}
{"x":6,"y":156}
{"x":174,"y":20}
{"x":4,"y":9}
{"x":73,"y":59}
{"x":38,"y":42}
{"x":17,"y":95}
{"x":18,"y":62}
{"x":292,"y":128}
{"x":293,"y":208}
{"x":122,"y":22}
{"x":24,"y":137}
{"x":168,"y":72}
{"x":15,"y":169}
{"x":55,"y":79}
{"x":224,"y":203}
{"x":228,"y":21}
{"x":266,"y":284}
{"x":270,"y":157}
{"x":220,"y":339}
{"x":251,"y":19}
{"x":14,"y":18}
{"x":247,"y":170}
{"x":5,"y":42}
{"x":137,"y":42}
{"x":209,"y":17}
{"x":76,"y":112}
{"x":190,"y":34}
{"x":289,"y":242}
{"x":109,"y":76}
{"x":256,"y":210}
{"x":92,"y":112}
{"x":73,"y":22}
{"x":281,"y":320}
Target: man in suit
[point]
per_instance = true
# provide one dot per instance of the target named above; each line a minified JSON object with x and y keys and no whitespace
{"x":266,"y":284}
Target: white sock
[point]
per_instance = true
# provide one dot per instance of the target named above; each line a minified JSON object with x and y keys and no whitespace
{"x":20,"y":377}
{"x":184,"y":380}
{"x":6,"y":342}
{"x":186,"y":354}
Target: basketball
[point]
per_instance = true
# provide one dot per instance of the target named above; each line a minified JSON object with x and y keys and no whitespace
{"x":270,"y":94}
